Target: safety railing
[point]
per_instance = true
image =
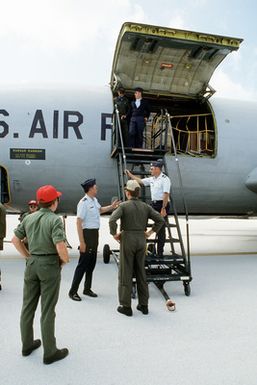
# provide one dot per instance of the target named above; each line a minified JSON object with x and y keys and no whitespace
{"x":181,"y":188}
{"x":193,"y":134}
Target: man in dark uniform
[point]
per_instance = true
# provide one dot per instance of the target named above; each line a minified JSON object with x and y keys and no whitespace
{"x":88,"y":223}
{"x":123,"y":106}
{"x":140,"y":112}
{"x":134,"y":215}
{"x":46,"y":239}
{"x":160,"y":195}
{"x":2,"y":231}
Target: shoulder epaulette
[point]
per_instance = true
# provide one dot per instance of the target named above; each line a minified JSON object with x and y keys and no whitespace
{"x":84,"y":199}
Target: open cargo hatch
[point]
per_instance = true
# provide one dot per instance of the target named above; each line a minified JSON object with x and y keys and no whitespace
{"x":168,"y":61}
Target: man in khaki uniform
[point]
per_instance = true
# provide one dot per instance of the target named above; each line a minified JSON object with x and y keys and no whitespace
{"x":46,"y":240}
{"x":2,"y":231}
{"x":134,"y":215}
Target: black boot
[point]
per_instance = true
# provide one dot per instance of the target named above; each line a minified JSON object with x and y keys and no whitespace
{"x":90,"y":293}
{"x":57,"y":356}
{"x":74,"y":296}
{"x":142,"y":308}
{"x":35,"y":345}
{"x":125,"y":310}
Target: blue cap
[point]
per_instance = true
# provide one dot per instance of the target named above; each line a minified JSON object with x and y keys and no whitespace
{"x":88,"y":183}
{"x":158,"y":163}
{"x":139,"y":89}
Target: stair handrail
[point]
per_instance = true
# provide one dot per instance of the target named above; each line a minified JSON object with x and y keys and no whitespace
{"x":181,"y":187}
{"x":160,"y":133}
{"x":124,"y":159}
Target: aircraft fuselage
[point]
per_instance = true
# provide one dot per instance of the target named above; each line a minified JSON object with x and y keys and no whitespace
{"x":64,"y":137}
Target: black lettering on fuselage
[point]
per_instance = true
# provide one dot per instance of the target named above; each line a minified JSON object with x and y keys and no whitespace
{"x":38,"y":119}
{"x":55,"y":124}
{"x":4,"y":125}
{"x":75,"y":125}
{"x":104,"y":125}
{"x":39,"y":127}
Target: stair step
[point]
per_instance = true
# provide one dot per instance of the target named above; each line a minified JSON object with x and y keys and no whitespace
{"x":152,"y":259}
{"x":170,"y":225}
{"x":138,"y":161}
{"x":173,"y":240}
{"x":163,"y":277}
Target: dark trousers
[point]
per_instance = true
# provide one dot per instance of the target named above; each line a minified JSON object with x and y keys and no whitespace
{"x":136,"y":130}
{"x":87,"y":261}
{"x":124,"y":132}
{"x":132,"y":261}
{"x":161,"y":236}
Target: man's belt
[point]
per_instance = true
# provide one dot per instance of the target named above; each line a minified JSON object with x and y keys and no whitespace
{"x":157,"y":201}
{"x":44,"y":255}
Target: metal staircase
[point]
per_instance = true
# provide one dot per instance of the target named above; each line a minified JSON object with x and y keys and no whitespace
{"x":172,"y":266}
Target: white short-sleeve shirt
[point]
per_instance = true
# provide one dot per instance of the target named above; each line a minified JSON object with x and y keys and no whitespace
{"x":158,"y":186}
{"x":88,"y":210}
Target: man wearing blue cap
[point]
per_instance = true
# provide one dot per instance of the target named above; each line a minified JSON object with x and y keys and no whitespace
{"x":160,"y":191}
{"x":140,"y":112}
{"x":88,"y":223}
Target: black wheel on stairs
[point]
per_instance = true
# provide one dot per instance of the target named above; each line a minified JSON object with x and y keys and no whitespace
{"x":106,"y":253}
{"x":151,"y":248}
{"x":187,"y":288}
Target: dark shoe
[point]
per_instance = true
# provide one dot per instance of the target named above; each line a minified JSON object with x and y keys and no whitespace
{"x":142,"y":308}
{"x":90,"y":293}
{"x":35,"y":345}
{"x":74,"y":296}
{"x":57,"y":356}
{"x":125,"y":310}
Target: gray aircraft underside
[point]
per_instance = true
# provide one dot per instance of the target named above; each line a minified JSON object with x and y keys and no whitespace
{"x":212,"y":185}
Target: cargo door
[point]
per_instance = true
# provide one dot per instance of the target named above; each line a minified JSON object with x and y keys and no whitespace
{"x":168,"y":61}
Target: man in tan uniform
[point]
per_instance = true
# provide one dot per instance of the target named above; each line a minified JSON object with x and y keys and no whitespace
{"x":134,"y":215}
{"x":47,"y":253}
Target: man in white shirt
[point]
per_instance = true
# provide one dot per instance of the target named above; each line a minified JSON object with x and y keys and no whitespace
{"x":139,"y":112}
{"x":88,"y":223}
{"x":160,"y":192}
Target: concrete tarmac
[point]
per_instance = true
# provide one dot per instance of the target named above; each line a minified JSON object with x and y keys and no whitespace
{"x":210,"y":339}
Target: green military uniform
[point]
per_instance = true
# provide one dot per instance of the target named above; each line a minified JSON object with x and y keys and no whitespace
{"x":2,"y":225}
{"x":43,"y":229}
{"x":123,"y":106}
{"x":24,"y":215}
{"x":134,"y":215}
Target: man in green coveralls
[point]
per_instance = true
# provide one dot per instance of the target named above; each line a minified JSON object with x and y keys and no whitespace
{"x":134,"y":215}
{"x":47,"y":253}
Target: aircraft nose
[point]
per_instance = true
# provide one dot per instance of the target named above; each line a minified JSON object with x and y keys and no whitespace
{"x":251,"y":181}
